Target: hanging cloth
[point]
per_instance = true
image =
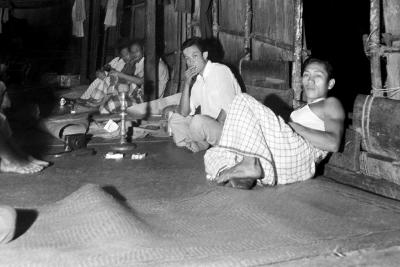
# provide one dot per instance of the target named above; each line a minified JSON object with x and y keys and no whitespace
{"x":206,"y":19}
{"x":183,"y":6}
{"x":1,"y":20}
{"x":78,"y":17}
{"x":111,"y":14}
{"x":6,"y":15}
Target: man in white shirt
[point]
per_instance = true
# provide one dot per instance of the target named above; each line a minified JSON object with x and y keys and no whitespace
{"x":213,"y":91}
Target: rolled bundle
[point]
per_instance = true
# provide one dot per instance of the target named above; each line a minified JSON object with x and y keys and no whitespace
{"x":378,"y":121}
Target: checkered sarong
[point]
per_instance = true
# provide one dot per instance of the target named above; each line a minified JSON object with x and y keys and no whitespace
{"x":252,"y":129}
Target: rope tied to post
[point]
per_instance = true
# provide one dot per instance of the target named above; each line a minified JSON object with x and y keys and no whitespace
{"x":392,"y":91}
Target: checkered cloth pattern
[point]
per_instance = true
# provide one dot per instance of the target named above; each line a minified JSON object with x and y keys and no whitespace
{"x":252,"y":129}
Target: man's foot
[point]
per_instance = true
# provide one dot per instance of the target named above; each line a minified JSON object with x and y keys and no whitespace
{"x":196,"y":146}
{"x":243,"y":175}
{"x":243,"y":183}
{"x":21,"y":167}
{"x":38,"y":161}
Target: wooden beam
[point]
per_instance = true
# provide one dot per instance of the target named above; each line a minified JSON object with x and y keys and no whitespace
{"x":298,"y":48}
{"x":94,"y":19}
{"x":367,"y":183}
{"x":374,"y":42}
{"x":85,"y":46}
{"x":391,"y":13}
{"x":150,"y":64}
{"x":247,"y":29}
{"x":215,"y":17}
{"x":259,"y":37}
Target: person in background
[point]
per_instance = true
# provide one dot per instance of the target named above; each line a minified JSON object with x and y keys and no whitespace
{"x":136,"y":80}
{"x":97,"y":91}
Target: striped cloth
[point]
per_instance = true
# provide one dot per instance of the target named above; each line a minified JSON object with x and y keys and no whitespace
{"x":251,"y":129}
{"x":113,"y":104}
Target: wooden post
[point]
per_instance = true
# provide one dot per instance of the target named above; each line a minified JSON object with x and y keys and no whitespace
{"x":178,"y":59}
{"x":150,"y":64}
{"x":391,"y":11}
{"x":188,"y":26}
{"x":94,"y":35}
{"x":298,"y":47}
{"x":215,"y":18}
{"x":85,"y":46}
{"x":374,"y":42}
{"x":247,"y":29}
{"x":104,"y":47}
{"x":196,"y":18}
{"x":132,"y":24}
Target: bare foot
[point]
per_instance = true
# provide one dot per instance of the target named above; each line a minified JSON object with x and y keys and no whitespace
{"x":38,"y":161}
{"x":196,"y":146}
{"x":243,"y":175}
{"x":21,"y":167}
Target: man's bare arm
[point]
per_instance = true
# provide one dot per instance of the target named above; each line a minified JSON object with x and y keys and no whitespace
{"x":130,"y":78}
{"x":221,"y":116}
{"x":328,"y":140}
{"x":184,"y":103}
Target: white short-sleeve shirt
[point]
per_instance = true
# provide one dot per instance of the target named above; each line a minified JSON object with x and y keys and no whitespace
{"x":117,"y":63}
{"x":163,"y":75}
{"x":214,"y":90}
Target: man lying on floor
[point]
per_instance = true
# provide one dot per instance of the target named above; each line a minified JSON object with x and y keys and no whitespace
{"x":209,"y":87}
{"x":256,"y":145}
{"x":12,"y":158}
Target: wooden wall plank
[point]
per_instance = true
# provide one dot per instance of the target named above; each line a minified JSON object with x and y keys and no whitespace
{"x":151,"y":64}
{"x":232,"y":15}
{"x":289,"y":21}
{"x":84,"y":46}
{"x":233,"y":47}
{"x":264,"y":18}
{"x":95,"y":26}
{"x":280,"y":26}
{"x":139,"y":20}
{"x":265,"y":51}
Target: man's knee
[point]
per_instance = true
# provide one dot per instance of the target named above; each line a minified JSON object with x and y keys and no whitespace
{"x":8,"y":217}
{"x":205,"y":128}
{"x":175,"y":120}
{"x":198,"y":123}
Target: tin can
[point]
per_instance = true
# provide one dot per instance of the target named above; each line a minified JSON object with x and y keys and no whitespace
{"x":62,"y":101}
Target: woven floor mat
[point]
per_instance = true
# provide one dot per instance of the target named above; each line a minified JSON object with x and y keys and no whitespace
{"x":221,"y":227}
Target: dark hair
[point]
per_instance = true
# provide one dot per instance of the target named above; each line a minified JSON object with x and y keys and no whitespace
{"x":122,"y":44}
{"x":328,"y":67}
{"x":194,"y":41}
{"x":137,"y":42}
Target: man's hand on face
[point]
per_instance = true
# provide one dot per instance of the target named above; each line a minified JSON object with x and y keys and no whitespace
{"x":190,"y":73}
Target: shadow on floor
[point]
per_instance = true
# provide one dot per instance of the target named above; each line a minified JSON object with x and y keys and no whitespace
{"x":25,"y":219}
